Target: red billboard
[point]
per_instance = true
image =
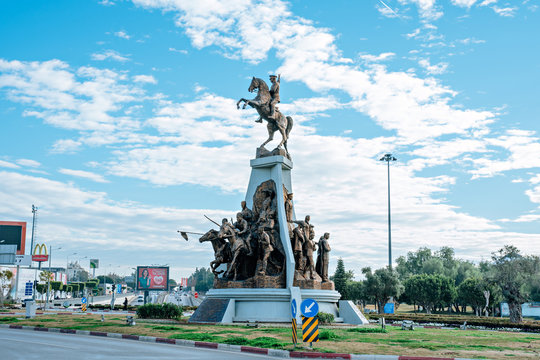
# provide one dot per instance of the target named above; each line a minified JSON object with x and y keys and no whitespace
{"x":13,"y":233}
{"x":152,"y":278}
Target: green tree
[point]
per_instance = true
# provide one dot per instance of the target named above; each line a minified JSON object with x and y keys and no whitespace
{"x":381,"y":285}
{"x":340,"y":279}
{"x":534,"y":288}
{"x":202,"y":279}
{"x":413,"y":263}
{"x":430,"y":291}
{"x":471,"y":292}
{"x":513,"y":272}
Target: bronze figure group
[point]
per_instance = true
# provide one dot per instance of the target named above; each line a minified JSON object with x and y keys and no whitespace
{"x":251,"y":244}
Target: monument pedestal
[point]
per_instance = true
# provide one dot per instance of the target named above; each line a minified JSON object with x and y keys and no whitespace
{"x":245,"y":300}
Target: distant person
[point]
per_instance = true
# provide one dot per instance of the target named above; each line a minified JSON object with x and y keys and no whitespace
{"x":125,"y":304}
{"x":144,"y":280}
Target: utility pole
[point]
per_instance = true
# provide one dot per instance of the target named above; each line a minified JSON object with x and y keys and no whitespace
{"x":49,"y":277}
{"x":388,"y":158}
{"x":34,"y":213}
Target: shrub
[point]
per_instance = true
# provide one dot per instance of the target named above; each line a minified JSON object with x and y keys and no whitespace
{"x":236,"y":340}
{"x":368,"y":330}
{"x":325,"y":318}
{"x":327,"y":335}
{"x":159,"y":311}
{"x":456,"y":320}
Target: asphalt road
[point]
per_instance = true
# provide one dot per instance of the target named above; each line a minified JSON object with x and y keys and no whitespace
{"x":24,"y":344}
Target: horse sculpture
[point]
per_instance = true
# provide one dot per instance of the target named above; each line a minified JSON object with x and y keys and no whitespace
{"x":222,"y":250}
{"x":261,"y":104}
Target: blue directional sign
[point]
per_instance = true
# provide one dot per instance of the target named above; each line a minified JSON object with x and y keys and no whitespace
{"x":389,"y":308}
{"x":83,"y":300}
{"x":309,"y":308}
{"x":28,"y":289}
{"x":293,"y":308}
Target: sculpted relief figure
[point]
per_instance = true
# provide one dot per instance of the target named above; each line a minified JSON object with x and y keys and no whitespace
{"x":309,"y":247}
{"x":289,"y":207}
{"x":300,"y":235}
{"x":265,"y":244}
{"x":242,"y":230}
{"x":323,"y":257}
{"x":265,"y":104}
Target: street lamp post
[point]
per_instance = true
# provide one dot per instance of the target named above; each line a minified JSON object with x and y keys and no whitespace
{"x":49,"y":278}
{"x":388,"y":158}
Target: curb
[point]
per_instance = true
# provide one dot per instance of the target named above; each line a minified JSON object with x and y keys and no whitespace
{"x":227,"y":347}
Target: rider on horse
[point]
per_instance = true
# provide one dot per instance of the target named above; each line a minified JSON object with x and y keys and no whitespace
{"x":274,"y":93}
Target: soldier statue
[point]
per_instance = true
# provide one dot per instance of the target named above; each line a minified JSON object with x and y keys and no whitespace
{"x":323,"y":257}
{"x":308,"y":248}
{"x":247,"y":214}
{"x":274,"y":92}
{"x":265,"y":244}
{"x":289,"y":207}
{"x":300,"y":236}
{"x":243,"y":232}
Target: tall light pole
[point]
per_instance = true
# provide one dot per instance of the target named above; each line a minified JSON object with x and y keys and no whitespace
{"x":388,"y":158}
{"x":49,"y":279}
{"x":34,"y":212}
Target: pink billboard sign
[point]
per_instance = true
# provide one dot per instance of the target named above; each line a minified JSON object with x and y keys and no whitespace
{"x":152,"y":278}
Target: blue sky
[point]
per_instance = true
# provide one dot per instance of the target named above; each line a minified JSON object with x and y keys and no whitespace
{"x":119,"y":122}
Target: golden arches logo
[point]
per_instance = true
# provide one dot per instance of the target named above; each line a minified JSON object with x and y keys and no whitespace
{"x":42,"y":250}
{"x":40,"y":253}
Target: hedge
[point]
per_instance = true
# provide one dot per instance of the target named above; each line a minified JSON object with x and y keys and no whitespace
{"x":456,"y":320}
{"x":159,"y":311}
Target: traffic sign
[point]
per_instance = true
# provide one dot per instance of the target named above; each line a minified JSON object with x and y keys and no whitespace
{"x":83,"y":300}
{"x":310,"y":329}
{"x":23,"y":260}
{"x":28,"y":288}
{"x":294,"y":336}
{"x":293,"y":308}
{"x":309,"y":308}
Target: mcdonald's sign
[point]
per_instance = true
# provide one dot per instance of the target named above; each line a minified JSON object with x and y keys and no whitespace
{"x":40,"y":253}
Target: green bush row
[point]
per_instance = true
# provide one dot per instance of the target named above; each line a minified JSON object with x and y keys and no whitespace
{"x":159,"y":311}
{"x":455,"y":320}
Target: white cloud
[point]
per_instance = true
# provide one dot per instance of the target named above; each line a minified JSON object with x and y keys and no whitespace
{"x":74,"y":218}
{"x":9,"y":165}
{"x":464,"y":3}
{"x":122,"y":34}
{"x":110,"y":54}
{"x":66,"y":146}
{"x":436,"y":69}
{"x":145,"y":79}
{"x":377,"y":58}
{"x":386,"y":10}
{"x":28,"y":162}
{"x":86,"y":99}
{"x":524,"y":149}
{"x":427,"y":9}
{"x":468,"y":41}
{"x":181,"y":51}
{"x":84,"y":174}
{"x":505,"y":12}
